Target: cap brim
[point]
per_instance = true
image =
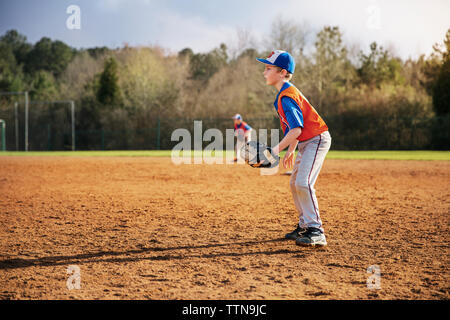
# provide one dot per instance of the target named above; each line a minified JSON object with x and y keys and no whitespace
{"x":265,"y":61}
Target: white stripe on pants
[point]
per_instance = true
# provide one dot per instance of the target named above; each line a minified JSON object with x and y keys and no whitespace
{"x":310,"y":157}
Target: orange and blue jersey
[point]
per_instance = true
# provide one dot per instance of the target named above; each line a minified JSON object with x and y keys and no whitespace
{"x":242,"y":126}
{"x":294,"y":111}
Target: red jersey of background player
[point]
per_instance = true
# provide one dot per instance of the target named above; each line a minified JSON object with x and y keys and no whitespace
{"x":242,"y":126}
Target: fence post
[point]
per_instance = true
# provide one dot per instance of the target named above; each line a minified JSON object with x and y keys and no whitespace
{"x":49,"y":137}
{"x":102,"y":135}
{"x":72,"y":107}
{"x":158,"y":134}
{"x":3,"y":129}
{"x":16,"y":124}
{"x":26,"y":119}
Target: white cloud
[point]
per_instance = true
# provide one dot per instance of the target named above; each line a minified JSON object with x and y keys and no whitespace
{"x":115,"y":5}
{"x":411,"y":27}
{"x":110,"y":5}
{"x":177,"y":32}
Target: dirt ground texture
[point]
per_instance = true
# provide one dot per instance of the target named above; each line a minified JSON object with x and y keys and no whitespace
{"x":144,"y":228}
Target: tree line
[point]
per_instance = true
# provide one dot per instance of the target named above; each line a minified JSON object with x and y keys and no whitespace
{"x":134,"y":97}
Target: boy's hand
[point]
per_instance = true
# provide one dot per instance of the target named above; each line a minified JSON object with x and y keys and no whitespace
{"x":288,"y":159}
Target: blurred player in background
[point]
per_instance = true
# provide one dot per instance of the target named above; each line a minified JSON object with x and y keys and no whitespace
{"x":242,"y":131}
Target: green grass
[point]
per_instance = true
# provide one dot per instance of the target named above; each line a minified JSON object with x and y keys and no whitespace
{"x":350,"y":155}
{"x":119,"y":153}
{"x":391,"y":155}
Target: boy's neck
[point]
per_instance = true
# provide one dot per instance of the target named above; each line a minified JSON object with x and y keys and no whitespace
{"x":280,"y":85}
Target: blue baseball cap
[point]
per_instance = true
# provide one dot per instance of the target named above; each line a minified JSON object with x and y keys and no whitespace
{"x":237,"y":117}
{"x":280,"y":59}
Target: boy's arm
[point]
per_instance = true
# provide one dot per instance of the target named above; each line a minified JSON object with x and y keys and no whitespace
{"x":289,"y":140}
{"x":294,"y":117}
{"x":292,"y":146}
{"x":247,"y":134}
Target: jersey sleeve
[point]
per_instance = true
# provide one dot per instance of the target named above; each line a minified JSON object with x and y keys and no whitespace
{"x":247,"y":127}
{"x":293,"y":113}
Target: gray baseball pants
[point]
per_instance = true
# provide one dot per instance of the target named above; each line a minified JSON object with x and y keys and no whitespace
{"x":310,"y":157}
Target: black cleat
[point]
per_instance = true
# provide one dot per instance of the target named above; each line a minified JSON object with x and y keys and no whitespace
{"x":298,"y":232}
{"x":311,"y":238}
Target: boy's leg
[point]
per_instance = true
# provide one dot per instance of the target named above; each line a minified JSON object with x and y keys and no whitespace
{"x":239,"y":144}
{"x":311,"y":162}
{"x":248,"y":136}
{"x":301,"y":227}
{"x":297,"y":204}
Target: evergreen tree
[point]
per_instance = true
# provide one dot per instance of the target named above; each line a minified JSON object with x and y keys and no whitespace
{"x":108,"y":91}
{"x":379,"y":66}
{"x":48,"y":55}
{"x":205,"y":65}
{"x":441,"y":89}
{"x":18,"y":44}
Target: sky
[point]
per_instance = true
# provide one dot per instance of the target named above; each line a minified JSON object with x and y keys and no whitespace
{"x":407,"y":27}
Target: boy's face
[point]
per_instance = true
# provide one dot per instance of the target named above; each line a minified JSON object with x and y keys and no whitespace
{"x":272,"y":75}
{"x":237,"y":121}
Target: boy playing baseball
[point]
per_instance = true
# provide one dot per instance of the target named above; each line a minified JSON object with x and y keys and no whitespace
{"x":243,"y":133}
{"x":302,"y":126}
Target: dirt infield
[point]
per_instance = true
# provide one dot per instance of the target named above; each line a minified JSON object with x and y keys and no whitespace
{"x":143,"y":228}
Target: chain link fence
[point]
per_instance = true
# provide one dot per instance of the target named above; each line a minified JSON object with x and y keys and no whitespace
{"x":50,"y":129}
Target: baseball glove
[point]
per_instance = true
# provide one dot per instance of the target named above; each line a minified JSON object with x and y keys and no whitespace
{"x":258,"y":155}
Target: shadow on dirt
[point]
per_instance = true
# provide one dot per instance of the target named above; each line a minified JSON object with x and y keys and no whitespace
{"x":110,"y":255}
